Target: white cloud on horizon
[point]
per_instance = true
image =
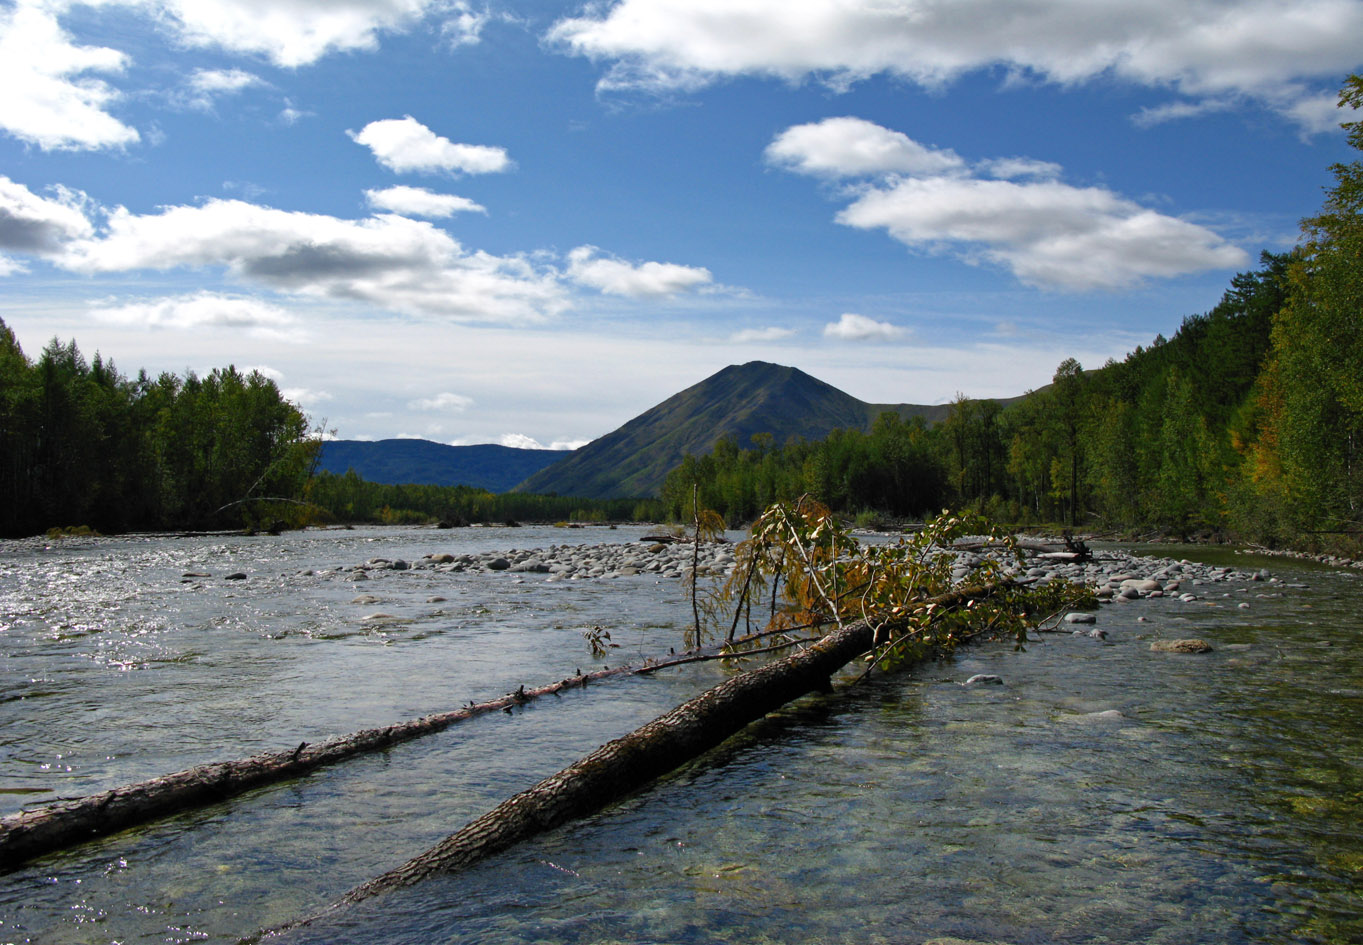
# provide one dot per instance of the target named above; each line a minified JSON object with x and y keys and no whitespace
{"x":1047,"y":233}
{"x":203,"y":310}
{"x":616,"y":277}
{"x":854,"y":327}
{"x":444,"y":402}
{"x":1251,"y":50}
{"x":406,"y":145}
{"x":304,"y":397}
{"x":420,"y":202}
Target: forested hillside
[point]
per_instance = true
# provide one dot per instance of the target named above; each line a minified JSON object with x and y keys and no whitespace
{"x":82,"y":445}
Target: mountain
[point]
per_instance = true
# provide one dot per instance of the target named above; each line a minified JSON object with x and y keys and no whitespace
{"x":739,"y":401}
{"x":486,"y":466}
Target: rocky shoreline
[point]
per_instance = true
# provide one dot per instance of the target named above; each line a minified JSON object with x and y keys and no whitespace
{"x":1115,"y":576}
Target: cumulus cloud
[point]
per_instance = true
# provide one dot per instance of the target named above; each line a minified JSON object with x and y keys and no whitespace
{"x":443,"y":403}
{"x":388,"y":261}
{"x":1048,"y":233}
{"x":290,"y":33}
{"x":51,"y":97}
{"x":203,"y":310}
{"x":1251,"y":49}
{"x":405,"y":144}
{"x":849,"y":147}
{"x":751,"y":335}
{"x":853,"y":327}
{"x":39,"y":225}
{"x":617,"y":277}
{"x":419,"y":202}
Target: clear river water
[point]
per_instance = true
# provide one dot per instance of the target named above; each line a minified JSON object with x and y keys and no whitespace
{"x":1104,"y":793}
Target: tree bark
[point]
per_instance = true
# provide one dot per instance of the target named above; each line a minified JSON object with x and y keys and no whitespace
{"x":31,"y":833}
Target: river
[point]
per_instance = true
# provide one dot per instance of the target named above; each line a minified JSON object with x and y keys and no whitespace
{"x":1103,"y":793}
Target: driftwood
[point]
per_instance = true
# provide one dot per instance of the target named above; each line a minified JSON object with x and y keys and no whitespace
{"x":56,"y":826}
{"x":632,"y":761}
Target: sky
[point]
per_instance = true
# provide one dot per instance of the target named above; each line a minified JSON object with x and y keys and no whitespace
{"x":526,"y":222}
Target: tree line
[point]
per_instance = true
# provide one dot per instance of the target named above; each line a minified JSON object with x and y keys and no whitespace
{"x":83,"y":445}
{"x":349,"y":498}
{"x":1248,"y":421}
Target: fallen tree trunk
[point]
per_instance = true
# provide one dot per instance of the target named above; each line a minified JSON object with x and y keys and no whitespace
{"x":32,"y":833}
{"x":628,"y":763}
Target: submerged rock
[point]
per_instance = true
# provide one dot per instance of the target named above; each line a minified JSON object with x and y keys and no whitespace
{"x":1181,"y":646}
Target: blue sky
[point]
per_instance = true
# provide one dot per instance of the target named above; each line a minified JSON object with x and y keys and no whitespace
{"x":527,"y":222}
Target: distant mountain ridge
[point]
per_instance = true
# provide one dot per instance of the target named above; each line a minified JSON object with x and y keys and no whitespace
{"x":739,"y":401}
{"x":422,"y":462}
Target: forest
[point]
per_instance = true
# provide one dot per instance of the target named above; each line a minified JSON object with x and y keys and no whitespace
{"x":82,"y":445}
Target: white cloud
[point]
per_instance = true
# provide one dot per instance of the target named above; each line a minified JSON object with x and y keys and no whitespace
{"x":405,"y":144}
{"x":1252,"y":49}
{"x":203,"y":310}
{"x":464,"y":27}
{"x":1047,"y":233}
{"x":290,"y":33}
{"x":751,"y":335}
{"x":10,"y":267}
{"x":568,"y":444}
{"x":520,"y":441}
{"x":1318,"y":113}
{"x":50,"y":98}
{"x":304,"y":397}
{"x":419,"y":202}
{"x":849,"y":147}
{"x":442,"y":402}
{"x":392,"y":262}
{"x":853,"y":327}
{"x":617,"y":277}
{"x":206,"y":85}
{"x":39,"y":225}
{"x":1014,"y":168}
{"x":264,"y":370}
{"x":1150,"y":116}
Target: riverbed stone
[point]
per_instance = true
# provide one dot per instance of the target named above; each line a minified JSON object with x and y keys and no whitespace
{"x":1181,"y":646}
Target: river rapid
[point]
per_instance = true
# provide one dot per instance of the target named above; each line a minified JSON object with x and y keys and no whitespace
{"x":1102,"y":793}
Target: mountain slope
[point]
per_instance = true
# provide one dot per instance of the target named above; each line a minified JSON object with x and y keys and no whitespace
{"x":422,"y":462}
{"x":739,"y":401}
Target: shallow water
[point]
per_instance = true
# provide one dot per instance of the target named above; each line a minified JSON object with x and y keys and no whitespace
{"x":1104,"y":793}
